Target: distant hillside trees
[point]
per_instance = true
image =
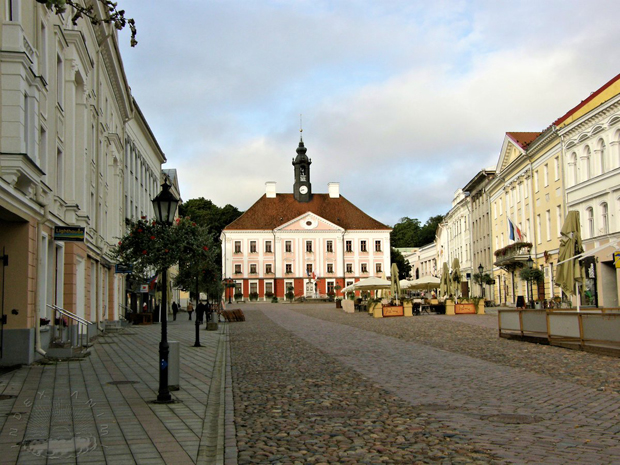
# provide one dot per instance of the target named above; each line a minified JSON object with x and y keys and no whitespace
{"x":410,"y":232}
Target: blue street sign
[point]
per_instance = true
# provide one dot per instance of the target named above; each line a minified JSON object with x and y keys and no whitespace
{"x":164,"y":364}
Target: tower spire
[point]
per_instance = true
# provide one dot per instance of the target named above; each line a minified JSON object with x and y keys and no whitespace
{"x":301,"y":129}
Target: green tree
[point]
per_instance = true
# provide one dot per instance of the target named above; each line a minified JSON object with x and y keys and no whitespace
{"x":404,"y":268}
{"x":115,"y":16}
{"x":151,"y":247}
{"x":429,"y":230}
{"x":405,"y":233}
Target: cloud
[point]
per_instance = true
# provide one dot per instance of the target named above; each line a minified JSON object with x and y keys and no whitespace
{"x":403,"y":102}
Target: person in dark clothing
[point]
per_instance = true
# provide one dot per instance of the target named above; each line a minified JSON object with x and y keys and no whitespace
{"x":201,"y":308}
{"x":190,"y":310}
{"x":175,"y":310}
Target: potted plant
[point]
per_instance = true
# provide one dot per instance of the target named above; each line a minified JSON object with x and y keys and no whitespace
{"x":290,"y":295}
{"x":331,"y":295}
{"x":238,"y":296}
{"x":274,"y":300}
{"x":269,"y":295}
{"x":253,"y":296}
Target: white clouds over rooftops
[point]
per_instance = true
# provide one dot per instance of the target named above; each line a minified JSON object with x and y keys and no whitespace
{"x":403,"y":102}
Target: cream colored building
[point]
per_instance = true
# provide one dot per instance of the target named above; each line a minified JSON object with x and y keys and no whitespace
{"x":65,"y":108}
{"x":590,"y":135}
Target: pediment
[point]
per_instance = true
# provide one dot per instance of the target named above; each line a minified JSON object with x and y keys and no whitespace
{"x":509,"y":153}
{"x":309,"y":222}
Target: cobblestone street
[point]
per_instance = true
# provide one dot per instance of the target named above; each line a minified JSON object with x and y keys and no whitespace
{"x":315,"y":385}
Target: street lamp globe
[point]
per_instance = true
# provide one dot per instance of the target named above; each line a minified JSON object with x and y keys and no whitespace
{"x":165,"y":205}
{"x":530,"y":262}
{"x":480,"y":269}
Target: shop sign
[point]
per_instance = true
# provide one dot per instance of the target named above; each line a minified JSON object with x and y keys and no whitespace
{"x":69,"y":233}
{"x":393,"y":310}
{"x":617,"y":259}
{"x":122,"y":268}
{"x":144,"y":288}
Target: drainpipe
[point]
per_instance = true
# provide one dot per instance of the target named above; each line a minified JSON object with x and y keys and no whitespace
{"x":275,"y":265}
{"x":37,"y":322}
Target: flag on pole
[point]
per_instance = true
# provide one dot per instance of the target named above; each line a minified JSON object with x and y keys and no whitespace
{"x":511,"y":230}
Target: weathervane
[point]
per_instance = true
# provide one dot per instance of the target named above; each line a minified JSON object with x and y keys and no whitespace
{"x":301,"y":130}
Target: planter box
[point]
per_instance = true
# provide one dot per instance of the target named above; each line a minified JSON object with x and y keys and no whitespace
{"x":465,"y":308}
{"x":393,"y":310}
{"x":348,"y":306}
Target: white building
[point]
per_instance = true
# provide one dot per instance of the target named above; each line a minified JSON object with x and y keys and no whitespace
{"x":304,"y":241}
{"x":590,"y":135}
{"x":65,"y":108}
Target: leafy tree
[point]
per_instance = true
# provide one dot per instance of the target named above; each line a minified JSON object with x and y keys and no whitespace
{"x":404,"y":268}
{"x":152,"y":246}
{"x":409,"y":232}
{"x":115,"y":16}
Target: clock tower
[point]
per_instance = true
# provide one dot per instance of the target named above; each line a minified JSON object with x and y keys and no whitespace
{"x":302,"y":189}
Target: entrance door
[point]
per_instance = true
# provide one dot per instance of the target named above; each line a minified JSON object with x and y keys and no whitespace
{"x":309,"y":288}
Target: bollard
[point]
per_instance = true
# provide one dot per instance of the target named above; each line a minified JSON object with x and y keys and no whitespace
{"x":174,"y":365}
{"x":212,"y":325}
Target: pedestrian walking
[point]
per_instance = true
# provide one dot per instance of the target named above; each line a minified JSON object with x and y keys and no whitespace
{"x":200,"y":311}
{"x":175,"y":310}
{"x":190,"y":310}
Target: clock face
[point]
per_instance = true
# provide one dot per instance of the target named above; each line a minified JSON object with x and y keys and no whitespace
{"x":303,"y":190}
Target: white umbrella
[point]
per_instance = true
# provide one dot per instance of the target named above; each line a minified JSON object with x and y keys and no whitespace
{"x":425,"y":283}
{"x":405,"y":284}
{"x":372,"y":283}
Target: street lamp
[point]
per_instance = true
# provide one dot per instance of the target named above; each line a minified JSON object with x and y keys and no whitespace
{"x":530,"y":265}
{"x":229,"y":285}
{"x":480,"y":271}
{"x":165,"y":205}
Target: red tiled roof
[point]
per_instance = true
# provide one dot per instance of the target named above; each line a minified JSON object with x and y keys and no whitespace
{"x":523,"y":139}
{"x":593,"y":95}
{"x":270,"y":213}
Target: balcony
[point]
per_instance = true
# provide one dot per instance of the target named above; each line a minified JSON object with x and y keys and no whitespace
{"x":513,"y":255}
{"x":20,"y":171}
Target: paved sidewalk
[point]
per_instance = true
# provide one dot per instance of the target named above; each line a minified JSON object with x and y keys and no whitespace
{"x":100,"y":410}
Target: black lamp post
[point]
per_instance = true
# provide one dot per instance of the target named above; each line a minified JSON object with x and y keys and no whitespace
{"x":530,"y":265}
{"x":480,"y":271}
{"x":165,"y":205}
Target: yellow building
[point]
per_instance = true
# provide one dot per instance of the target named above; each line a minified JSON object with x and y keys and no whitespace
{"x":526,"y":201}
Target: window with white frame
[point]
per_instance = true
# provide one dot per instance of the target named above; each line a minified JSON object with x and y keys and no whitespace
{"x":308,"y":246}
{"x":268,"y":268}
{"x":253,"y":268}
{"x":288,"y":246}
{"x":548,"y":220}
{"x":536,"y":181}
{"x":349,"y":267}
{"x":363,"y":246}
{"x":288,"y":268}
{"x":309,"y":269}
{"x":558,"y":214}
{"x":237,"y":269}
{"x":377,"y":246}
{"x":252,"y":246}
{"x":267,"y":246}
{"x":330,"y":268}
{"x":237,"y":246}
{"x":268,"y":287}
{"x":348,"y":246}
{"x":378,"y":267}
{"x":556,"y":168}
{"x":329,"y":246}
{"x":590,"y":221}
{"x":60,"y":81}
{"x":538,"y":228}
{"x":546,"y":174}
{"x":364,"y":267}
{"x":604,"y":218}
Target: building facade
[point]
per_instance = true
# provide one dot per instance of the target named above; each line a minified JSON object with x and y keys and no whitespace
{"x":590,"y":135}
{"x":65,"y":108}
{"x":303,"y":242}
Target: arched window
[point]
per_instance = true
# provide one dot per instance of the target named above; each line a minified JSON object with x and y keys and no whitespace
{"x":586,"y":172}
{"x":602,"y":155}
{"x":604,"y":216}
{"x":573,"y":169}
{"x":590,"y":220}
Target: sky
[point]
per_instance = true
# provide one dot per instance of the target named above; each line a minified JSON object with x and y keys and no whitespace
{"x":402,"y":101}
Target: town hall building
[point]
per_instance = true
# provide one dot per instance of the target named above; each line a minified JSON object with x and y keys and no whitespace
{"x":305,"y":242}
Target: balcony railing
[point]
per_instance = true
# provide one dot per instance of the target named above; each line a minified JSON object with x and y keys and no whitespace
{"x":512,"y":254}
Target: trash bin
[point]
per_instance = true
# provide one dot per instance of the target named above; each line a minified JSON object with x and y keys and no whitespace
{"x":174,"y":365}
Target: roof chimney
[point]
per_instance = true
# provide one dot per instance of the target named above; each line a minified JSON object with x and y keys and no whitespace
{"x":270,"y":189}
{"x":334,"y":190}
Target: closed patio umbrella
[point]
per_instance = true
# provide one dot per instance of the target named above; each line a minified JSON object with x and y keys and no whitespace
{"x":570,"y":273}
{"x":445,"y":287}
{"x":394,"y":282}
{"x":455,"y":276}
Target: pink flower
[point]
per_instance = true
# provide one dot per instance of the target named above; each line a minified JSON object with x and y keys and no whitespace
{"x":152,"y":238}
{"x":205,"y":248}
{"x":144,"y":252}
